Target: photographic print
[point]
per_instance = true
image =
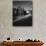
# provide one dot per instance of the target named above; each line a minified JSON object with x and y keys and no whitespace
{"x":22,"y":13}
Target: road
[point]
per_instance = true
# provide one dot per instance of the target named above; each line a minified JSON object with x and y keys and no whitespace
{"x":18,"y":18}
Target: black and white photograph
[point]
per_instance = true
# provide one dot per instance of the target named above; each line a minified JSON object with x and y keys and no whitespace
{"x":22,"y":13}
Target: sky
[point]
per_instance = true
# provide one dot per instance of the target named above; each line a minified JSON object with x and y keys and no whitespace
{"x":22,"y":0}
{"x":24,"y":4}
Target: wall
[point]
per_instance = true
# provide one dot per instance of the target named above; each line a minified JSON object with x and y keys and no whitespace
{"x":37,"y":31}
